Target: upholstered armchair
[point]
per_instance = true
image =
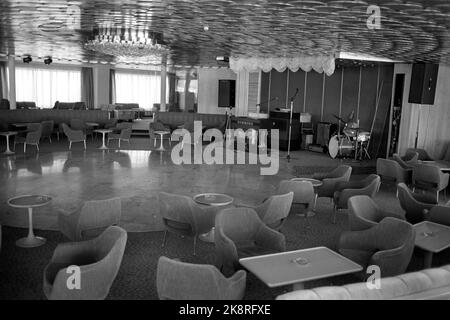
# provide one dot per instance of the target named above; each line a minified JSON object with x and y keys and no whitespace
{"x":368,"y":186}
{"x":439,"y":214}
{"x":158,"y":126}
{"x":364,"y":213}
{"x":239,"y":233}
{"x":74,"y":135}
{"x":392,"y":170}
{"x":422,"y":154}
{"x":414,"y":204}
{"x":123,"y":132}
{"x":99,"y":261}
{"x":304,"y":194}
{"x":331,"y":179}
{"x":33,"y":136}
{"x":274,"y":210}
{"x":408,"y":161}
{"x":388,"y":245}
{"x":78,"y":124}
{"x":182,"y":216}
{"x":47,"y":129}
{"x":429,"y":177}
{"x":89,"y":218}
{"x":176,"y":280}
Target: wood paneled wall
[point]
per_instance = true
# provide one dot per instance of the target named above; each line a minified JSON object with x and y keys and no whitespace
{"x":349,"y":88}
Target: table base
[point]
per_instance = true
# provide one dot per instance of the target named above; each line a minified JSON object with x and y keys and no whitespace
{"x":31,"y":242}
{"x":207,"y":237}
{"x":8,"y":152}
{"x":103,"y":148}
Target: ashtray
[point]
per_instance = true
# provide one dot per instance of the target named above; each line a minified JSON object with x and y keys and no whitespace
{"x":301,"y":261}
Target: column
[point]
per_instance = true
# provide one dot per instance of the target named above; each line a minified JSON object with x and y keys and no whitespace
{"x":12,"y":81}
{"x":163,"y":83}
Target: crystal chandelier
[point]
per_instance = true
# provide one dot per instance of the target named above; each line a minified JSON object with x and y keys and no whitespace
{"x":127,"y":43}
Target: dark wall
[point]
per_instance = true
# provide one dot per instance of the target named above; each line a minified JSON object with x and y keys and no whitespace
{"x":349,"y":88}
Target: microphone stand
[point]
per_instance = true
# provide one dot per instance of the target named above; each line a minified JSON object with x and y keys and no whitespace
{"x":288,"y":157}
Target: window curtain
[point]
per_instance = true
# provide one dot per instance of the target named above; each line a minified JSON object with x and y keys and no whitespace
{"x":112,"y":86}
{"x":45,"y":86}
{"x":3,"y":81}
{"x":143,"y":88}
{"x":87,"y":87}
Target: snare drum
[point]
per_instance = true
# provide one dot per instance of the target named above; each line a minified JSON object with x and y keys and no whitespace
{"x":339,"y":146}
{"x":363,"y":136}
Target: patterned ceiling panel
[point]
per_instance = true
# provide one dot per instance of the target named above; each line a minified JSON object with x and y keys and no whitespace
{"x":197,"y":31}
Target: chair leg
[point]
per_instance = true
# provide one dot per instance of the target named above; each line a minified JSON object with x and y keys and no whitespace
{"x":84,"y":142}
{"x":24,"y":147}
{"x":335,"y":209}
{"x":164,"y":239}
{"x":70,"y":145}
{"x":195,"y":245}
{"x":119,"y":143}
{"x":315,"y":200}
{"x":37,"y":146}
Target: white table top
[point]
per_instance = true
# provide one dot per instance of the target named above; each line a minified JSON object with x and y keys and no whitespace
{"x":8,"y":133}
{"x":161,"y":132}
{"x":29,"y":201}
{"x":103,"y":130}
{"x":432,"y":237}
{"x":299,"y":266}
{"x":314,"y":182}
{"x":213,"y":199}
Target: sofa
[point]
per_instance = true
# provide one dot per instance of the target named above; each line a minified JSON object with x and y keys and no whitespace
{"x":58,"y":116}
{"x":25,"y":105}
{"x":123,"y":111}
{"x":428,"y":284}
{"x":175,"y":119}
{"x":70,"y":105}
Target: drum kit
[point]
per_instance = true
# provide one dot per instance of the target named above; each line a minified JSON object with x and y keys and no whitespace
{"x":352,"y":141}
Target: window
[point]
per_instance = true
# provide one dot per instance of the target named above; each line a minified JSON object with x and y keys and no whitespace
{"x":46,"y":86}
{"x":139,"y":87}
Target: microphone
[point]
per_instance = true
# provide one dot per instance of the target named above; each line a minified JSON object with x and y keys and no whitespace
{"x":295,"y":95}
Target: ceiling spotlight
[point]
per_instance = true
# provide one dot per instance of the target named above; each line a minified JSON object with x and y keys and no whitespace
{"x":222,"y":59}
{"x":206,"y":27}
{"x":27,"y":59}
{"x":48,"y":60}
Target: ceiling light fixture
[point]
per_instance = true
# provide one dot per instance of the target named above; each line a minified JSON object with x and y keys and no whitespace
{"x":27,"y":59}
{"x":126,"y":43}
{"x":48,"y":60}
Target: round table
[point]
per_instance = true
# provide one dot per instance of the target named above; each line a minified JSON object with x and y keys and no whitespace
{"x":30,"y":202}
{"x":161,"y":133}
{"x":315,"y":183}
{"x":7,"y":135}
{"x":103,"y":132}
{"x":213,"y":200}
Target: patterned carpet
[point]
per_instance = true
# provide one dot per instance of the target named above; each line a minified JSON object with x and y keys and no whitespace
{"x":21,"y":269}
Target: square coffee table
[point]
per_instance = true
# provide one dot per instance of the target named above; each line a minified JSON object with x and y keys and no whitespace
{"x":297,"y":267}
{"x":433,"y":238}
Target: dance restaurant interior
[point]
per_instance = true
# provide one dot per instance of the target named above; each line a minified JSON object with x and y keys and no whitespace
{"x":224,"y":150}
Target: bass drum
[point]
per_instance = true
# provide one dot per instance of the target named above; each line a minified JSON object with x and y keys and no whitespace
{"x":339,"y":146}
{"x":333,"y":147}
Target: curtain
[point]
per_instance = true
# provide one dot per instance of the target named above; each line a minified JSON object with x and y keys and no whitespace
{"x":3,"y":81}
{"x":87,"y":87}
{"x":45,"y":86}
{"x":112,"y":86}
{"x":143,"y":88}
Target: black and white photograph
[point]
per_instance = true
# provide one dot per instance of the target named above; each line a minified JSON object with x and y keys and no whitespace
{"x":249,"y":151}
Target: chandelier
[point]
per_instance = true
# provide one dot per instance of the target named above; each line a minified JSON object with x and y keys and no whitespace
{"x":127,"y":43}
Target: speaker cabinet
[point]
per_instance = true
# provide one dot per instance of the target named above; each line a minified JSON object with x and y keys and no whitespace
{"x":227,"y":93}
{"x":423,"y":83}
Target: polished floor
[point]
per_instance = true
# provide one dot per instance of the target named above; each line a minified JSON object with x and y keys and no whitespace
{"x":136,"y":173}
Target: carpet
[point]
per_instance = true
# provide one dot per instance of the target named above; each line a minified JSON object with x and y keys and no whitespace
{"x":21,"y":269}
